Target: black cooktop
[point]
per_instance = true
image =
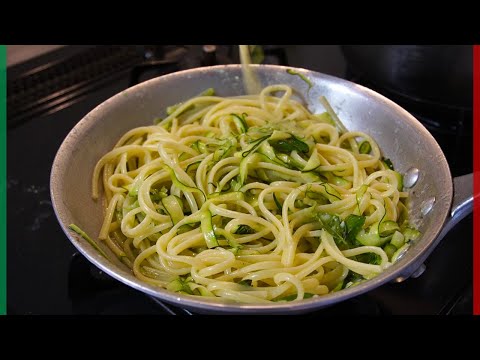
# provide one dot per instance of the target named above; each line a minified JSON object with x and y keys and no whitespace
{"x":47,"y":96}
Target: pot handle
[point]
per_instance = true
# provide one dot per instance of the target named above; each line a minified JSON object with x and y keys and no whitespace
{"x":462,"y":204}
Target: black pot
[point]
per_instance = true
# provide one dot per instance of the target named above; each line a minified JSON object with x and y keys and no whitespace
{"x":431,"y":74}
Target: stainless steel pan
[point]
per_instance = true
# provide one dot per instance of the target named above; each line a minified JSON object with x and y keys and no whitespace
{"x":438,"y":203}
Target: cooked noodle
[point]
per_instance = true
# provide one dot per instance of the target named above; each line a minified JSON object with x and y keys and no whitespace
{"x":251,"y":198}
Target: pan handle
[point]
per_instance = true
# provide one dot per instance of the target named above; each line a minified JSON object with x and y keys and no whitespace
{"x":462,"y":204}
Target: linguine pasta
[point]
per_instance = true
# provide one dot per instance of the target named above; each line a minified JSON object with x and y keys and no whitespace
{"x":253,"y":199}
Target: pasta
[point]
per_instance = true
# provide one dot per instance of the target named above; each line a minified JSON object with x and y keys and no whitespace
{"x":252,"y":199}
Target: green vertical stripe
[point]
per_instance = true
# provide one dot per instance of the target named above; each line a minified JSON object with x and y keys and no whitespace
{"x":3,"y":180}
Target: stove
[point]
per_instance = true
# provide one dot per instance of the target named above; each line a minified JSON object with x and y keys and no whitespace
{"x":49,"y":94}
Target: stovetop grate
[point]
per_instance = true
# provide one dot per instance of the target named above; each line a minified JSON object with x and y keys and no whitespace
{"x":53,"y":85}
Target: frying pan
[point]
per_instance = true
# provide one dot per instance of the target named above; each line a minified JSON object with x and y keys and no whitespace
{"x":435,"y":206}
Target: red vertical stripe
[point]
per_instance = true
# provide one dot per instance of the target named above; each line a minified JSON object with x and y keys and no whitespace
{"x":476,"y":179}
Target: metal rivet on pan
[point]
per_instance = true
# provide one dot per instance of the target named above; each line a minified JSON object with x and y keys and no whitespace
{"x":411,"y":177}
{"x":419,"y":271}
{"x":427,"y":205}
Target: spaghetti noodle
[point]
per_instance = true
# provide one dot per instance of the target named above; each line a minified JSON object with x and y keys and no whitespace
{"x":253,"y":199}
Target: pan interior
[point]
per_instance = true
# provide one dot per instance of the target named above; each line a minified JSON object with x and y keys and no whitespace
{"x":401,"y":138}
